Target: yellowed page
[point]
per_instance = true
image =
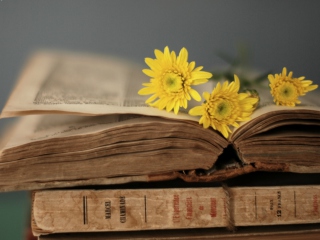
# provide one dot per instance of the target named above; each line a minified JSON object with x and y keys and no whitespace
{"x":83,"y":84}
{"x":268,"y":111}
{"x":38,"y":128}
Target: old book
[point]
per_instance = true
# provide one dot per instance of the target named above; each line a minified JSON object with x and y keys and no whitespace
{"x":281,"y":232}
{"x":58,"y":211}
{"x":92,"y":128}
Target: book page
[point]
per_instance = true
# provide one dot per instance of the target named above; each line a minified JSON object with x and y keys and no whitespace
{"x":82,"y":84}
{"x":80,"y":137}
{"x":36,"y":128}
{"x":271,"y":115}
{"x":53,"y":149}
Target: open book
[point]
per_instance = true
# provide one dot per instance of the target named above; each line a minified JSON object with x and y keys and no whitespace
{"x":86,"y":124}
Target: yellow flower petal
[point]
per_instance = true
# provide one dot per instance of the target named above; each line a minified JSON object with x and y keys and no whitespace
{"x":224,"y":131}
{"x":200,"y":75}
{"x":183,"y":56}
{"x":236,"y":86}
{"x":151,"y":99}
{"x":162,"y":103}
{"x":206,"y":123}
{"x":176,"y":108}
{"x":311,"y":88}
{"x":206,"y":96}
{"x":191,"y":66}
{"x":284,"y":72}
{"x":197,"y":69}
{"x":152,"y":64}
{"x":170,"y":106}
{"x":200,"y":81}
{"x":149,"y":72}
{"x":167,"y":56}
{"x":158,"y":54}
{"x":196,"y":111}
{"x":185,"y":103}
{"x":195,"y":95}
{"x":145,"y":91}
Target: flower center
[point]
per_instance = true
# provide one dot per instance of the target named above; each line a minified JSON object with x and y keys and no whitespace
{"x":287,"y":92}
{"x":172,"y":82}
{"x":221,"y":110}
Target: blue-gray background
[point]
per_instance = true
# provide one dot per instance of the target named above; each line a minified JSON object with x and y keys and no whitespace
{"x":277,"y":33}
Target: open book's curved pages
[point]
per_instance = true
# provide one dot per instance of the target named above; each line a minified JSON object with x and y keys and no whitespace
{"x":92,"y":127}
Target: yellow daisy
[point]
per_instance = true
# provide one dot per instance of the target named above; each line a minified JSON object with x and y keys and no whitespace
{"x":286,"y":89}
{"x":171,"y":80}
{"x":224,"y":107}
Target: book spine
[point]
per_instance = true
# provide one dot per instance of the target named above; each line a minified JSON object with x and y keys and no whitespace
{"x":59,"y":211}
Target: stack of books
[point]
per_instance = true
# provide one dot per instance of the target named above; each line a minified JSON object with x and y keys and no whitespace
{"x":103,"y":165}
